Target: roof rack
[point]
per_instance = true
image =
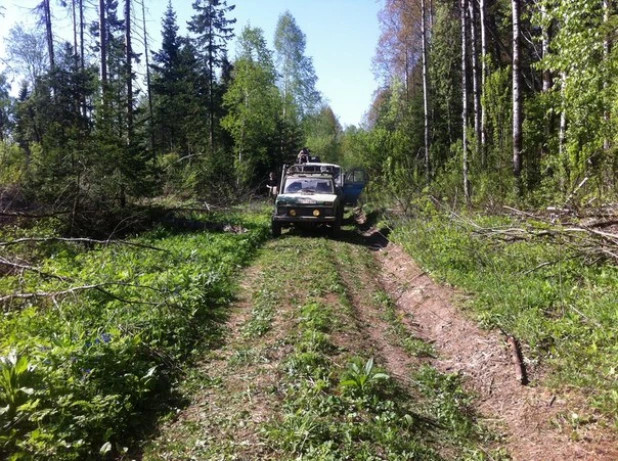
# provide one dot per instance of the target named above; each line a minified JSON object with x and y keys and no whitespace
{"x":302,"y":168}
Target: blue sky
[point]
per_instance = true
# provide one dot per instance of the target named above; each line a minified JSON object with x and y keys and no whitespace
{"x":341,"y":39}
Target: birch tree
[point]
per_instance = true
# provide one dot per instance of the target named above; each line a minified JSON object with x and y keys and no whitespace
{"x":425,"y":92}
{"x":517,"y":97}
{"x":464,"y":99}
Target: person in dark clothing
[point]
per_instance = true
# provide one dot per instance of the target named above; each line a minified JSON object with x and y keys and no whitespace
{"x":273,"y":185}
{"x":303,"y":156}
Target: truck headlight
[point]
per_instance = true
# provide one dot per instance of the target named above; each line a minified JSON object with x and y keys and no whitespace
{"x":316,"y":213}
{"x":292,"y":212}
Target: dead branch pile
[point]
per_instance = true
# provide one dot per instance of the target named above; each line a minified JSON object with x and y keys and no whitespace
{"x":583,"y":235}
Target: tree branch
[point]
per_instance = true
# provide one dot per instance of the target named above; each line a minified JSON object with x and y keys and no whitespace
{"x":96,"y":286}
{"x":80,"y":240}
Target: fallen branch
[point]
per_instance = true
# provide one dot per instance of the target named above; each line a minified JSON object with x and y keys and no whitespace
{"x":96,"y":286}
{"x":575,"y":191}
{"x":519,"y":212}
{"x":520,"y":371}
{"x":18,"y":214}
{"x":24,"y":267}
{"x":80,"y":240}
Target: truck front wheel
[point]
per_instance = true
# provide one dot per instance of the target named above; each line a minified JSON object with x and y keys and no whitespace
{"x":336,"y":228}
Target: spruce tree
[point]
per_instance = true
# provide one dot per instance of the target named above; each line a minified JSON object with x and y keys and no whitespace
{"x":212,"y":29}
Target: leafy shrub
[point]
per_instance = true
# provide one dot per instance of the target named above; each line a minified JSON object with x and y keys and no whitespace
{"x":80,"y":374}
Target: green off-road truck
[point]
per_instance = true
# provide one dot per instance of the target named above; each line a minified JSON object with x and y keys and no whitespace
{"x":315,"y":194}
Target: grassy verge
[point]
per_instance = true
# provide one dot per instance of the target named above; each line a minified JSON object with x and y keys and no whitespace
{"x":542,"y":291}
{"x":83,"y":370}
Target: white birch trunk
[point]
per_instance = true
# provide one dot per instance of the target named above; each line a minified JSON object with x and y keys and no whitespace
{"x":484,"y":58}
{"x":425,"y":91}
{"x":464,"y":92}
{"x":517,"y":112}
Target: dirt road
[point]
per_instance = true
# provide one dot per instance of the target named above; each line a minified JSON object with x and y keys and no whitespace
{"x":347,"y":350}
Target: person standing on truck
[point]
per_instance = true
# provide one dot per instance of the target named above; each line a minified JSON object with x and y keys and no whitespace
{"x":273,"y":185}
{"x":303,"y":156}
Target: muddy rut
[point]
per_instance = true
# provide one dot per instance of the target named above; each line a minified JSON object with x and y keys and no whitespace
{"x":533,"y":419}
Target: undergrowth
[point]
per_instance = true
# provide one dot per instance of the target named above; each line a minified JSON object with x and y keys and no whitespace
{"x":543,"y":291}
{"x":83,"y":373}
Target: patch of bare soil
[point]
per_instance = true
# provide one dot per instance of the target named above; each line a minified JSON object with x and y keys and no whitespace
{"x":534,"y":419}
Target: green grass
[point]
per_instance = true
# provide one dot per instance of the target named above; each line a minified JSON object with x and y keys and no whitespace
{"x":543,"y":291}
{"x":340,"y":403}
{"x":82,"y":375}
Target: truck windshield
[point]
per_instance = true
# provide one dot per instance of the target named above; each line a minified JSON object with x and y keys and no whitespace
{"x":308,"y":186}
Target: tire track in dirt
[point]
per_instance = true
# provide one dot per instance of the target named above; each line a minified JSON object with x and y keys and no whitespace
{"x":375,"y":331}
{"x":236,"y":397}
{"x":529,"y":416}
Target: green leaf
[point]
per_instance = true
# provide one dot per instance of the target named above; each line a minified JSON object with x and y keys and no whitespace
{"x":22,"y":365}
{"x":105,"y":448}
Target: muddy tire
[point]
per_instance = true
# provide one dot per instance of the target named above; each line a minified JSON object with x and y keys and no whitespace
{"x":276,"y":228}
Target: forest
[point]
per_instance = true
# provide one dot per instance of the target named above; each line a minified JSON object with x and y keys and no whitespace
{"x":490,"y":102}
{"x":133,"y":192}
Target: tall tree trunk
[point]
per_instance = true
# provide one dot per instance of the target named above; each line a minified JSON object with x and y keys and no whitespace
{"x":517,"y":111}
{"x":607,"y":47}
{"x":464,"y":92}
{"x":545,"y":40}
{"x":547,"y":76}
{"x":129,"y":70}
{"x":77,"y":96}
{"x":425,"y":91}
{"x":562,"y":132}
{"x":148,"y":79}
{"x":75,"y":49}
{"x":476,"y":94}
{"x":49,"y":34}
{"x":103,"y":44}
{"x":484,"y":58}
{"x":82,"y":62}
{"x":211,"y":102}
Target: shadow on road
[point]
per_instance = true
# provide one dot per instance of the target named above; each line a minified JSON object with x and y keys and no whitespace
{"x":358,"y":229}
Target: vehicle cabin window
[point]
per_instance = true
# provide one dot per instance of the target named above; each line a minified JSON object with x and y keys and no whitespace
{"x":308,"y":185}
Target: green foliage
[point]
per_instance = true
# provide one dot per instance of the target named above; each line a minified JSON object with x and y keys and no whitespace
{"x":81,"y":373}
{"x":545,"y":292}
{"x":323,"y":134}
{"x":254,"y":108}
{"x":361,"y":377}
